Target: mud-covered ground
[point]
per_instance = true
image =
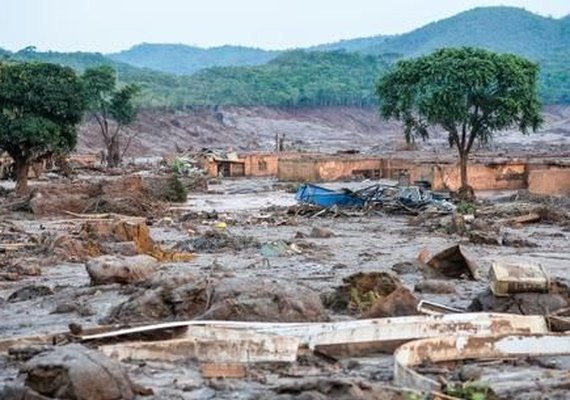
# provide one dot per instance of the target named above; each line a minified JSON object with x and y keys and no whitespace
{"x":256,"y":208}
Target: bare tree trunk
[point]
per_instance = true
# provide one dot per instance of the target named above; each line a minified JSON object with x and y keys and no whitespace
{"x":21,"y":167}
{"x":113,"y":153}
{"x":463,"y":158}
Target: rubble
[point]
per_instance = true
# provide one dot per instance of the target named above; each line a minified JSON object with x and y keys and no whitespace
{"x":215,"y":240}
{"x":406,"y":199}
{"x":128,"y":195}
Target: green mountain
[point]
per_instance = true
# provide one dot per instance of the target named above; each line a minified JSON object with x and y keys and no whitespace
{"x":342,"y":73}
{"x":358,"y":44}
{"x":184,"y":60}
{"x":293,"y":79}
{"x":503,"y":29}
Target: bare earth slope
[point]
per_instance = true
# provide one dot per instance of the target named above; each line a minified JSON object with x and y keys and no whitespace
{"x":316,"y":129}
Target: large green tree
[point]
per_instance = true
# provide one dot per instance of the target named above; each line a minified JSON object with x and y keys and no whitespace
{"x":113,"y":108}
{"x":470,"y":93}
{"x":40,"y":107}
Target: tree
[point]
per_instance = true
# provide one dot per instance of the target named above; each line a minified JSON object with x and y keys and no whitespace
{"x":113,"y":108}
{"x":470,"y":93}
{"x":40,"y":107}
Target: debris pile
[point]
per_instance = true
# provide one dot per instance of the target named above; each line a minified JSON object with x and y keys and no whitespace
{"x":110,"y":234}
{"x":129,"y":195}
{"x":395,"y":199}
{"x":215,"y":240}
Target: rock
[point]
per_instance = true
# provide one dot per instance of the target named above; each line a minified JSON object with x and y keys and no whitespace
{"x":26,"y":352}
{"x":404,"y":268}
{"x":470,"y":373}
{"x":321,"y":233}
{"x":399,"y":303}
{"x":29,"y":293}
{"x":436,"y":286}
{"x":519,"y":303}
{"x":360,"y":291}
{"x":119,"y":269}
{"x":230,"y":299}
{"x":332,"y":388}
{"x":80,"y":308}
{"x":481,"y":237}
{"x":25,"y":268}
{"x":75,"y":372}
{"x":9,"y":392}
{"x":513,"y":240}
{"x":264,"y":300}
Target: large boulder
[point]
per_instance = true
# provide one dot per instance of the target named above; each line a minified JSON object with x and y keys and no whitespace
{"x":237,"y":299}
{"x":76,"y":372}
{"x":264,"y":300}
{"x":119,"y":269}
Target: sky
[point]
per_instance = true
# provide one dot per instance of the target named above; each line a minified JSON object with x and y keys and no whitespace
{"x":113,"y":25}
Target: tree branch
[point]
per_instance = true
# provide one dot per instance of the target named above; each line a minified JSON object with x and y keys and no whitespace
{"x":100,"y":122}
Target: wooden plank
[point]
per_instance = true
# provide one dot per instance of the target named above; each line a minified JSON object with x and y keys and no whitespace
{"x":223,"y":370}
{"x":221,"y":346}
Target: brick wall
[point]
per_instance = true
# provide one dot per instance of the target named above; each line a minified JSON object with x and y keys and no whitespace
{"x":553,"y":181}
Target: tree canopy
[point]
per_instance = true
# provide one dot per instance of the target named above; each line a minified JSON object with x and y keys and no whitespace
{"x":470,"y":93}
{"x":40,"y":106}
{"x":112,"y":107}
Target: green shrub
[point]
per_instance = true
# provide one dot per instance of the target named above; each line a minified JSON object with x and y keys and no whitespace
{"x":177,"y":192}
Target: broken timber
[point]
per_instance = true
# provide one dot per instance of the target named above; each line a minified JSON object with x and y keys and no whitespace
{"x":231,"y":342}
{"x":455,"y":348}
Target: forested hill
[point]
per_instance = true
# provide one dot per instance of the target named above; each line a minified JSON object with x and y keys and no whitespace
{"x":184,"y":60}
{"x":503,"y":29}
{"x":293,"y":79}
{"x":342,"y":73}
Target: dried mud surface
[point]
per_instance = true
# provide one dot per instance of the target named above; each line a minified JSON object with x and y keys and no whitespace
{"x":367,"y":243}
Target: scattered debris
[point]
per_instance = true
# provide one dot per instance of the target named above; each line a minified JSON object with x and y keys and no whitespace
{"x":216,"y":240}
{"x":279,"y":248}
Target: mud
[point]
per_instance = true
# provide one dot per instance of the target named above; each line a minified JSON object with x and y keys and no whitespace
{"x":230,"y":281}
